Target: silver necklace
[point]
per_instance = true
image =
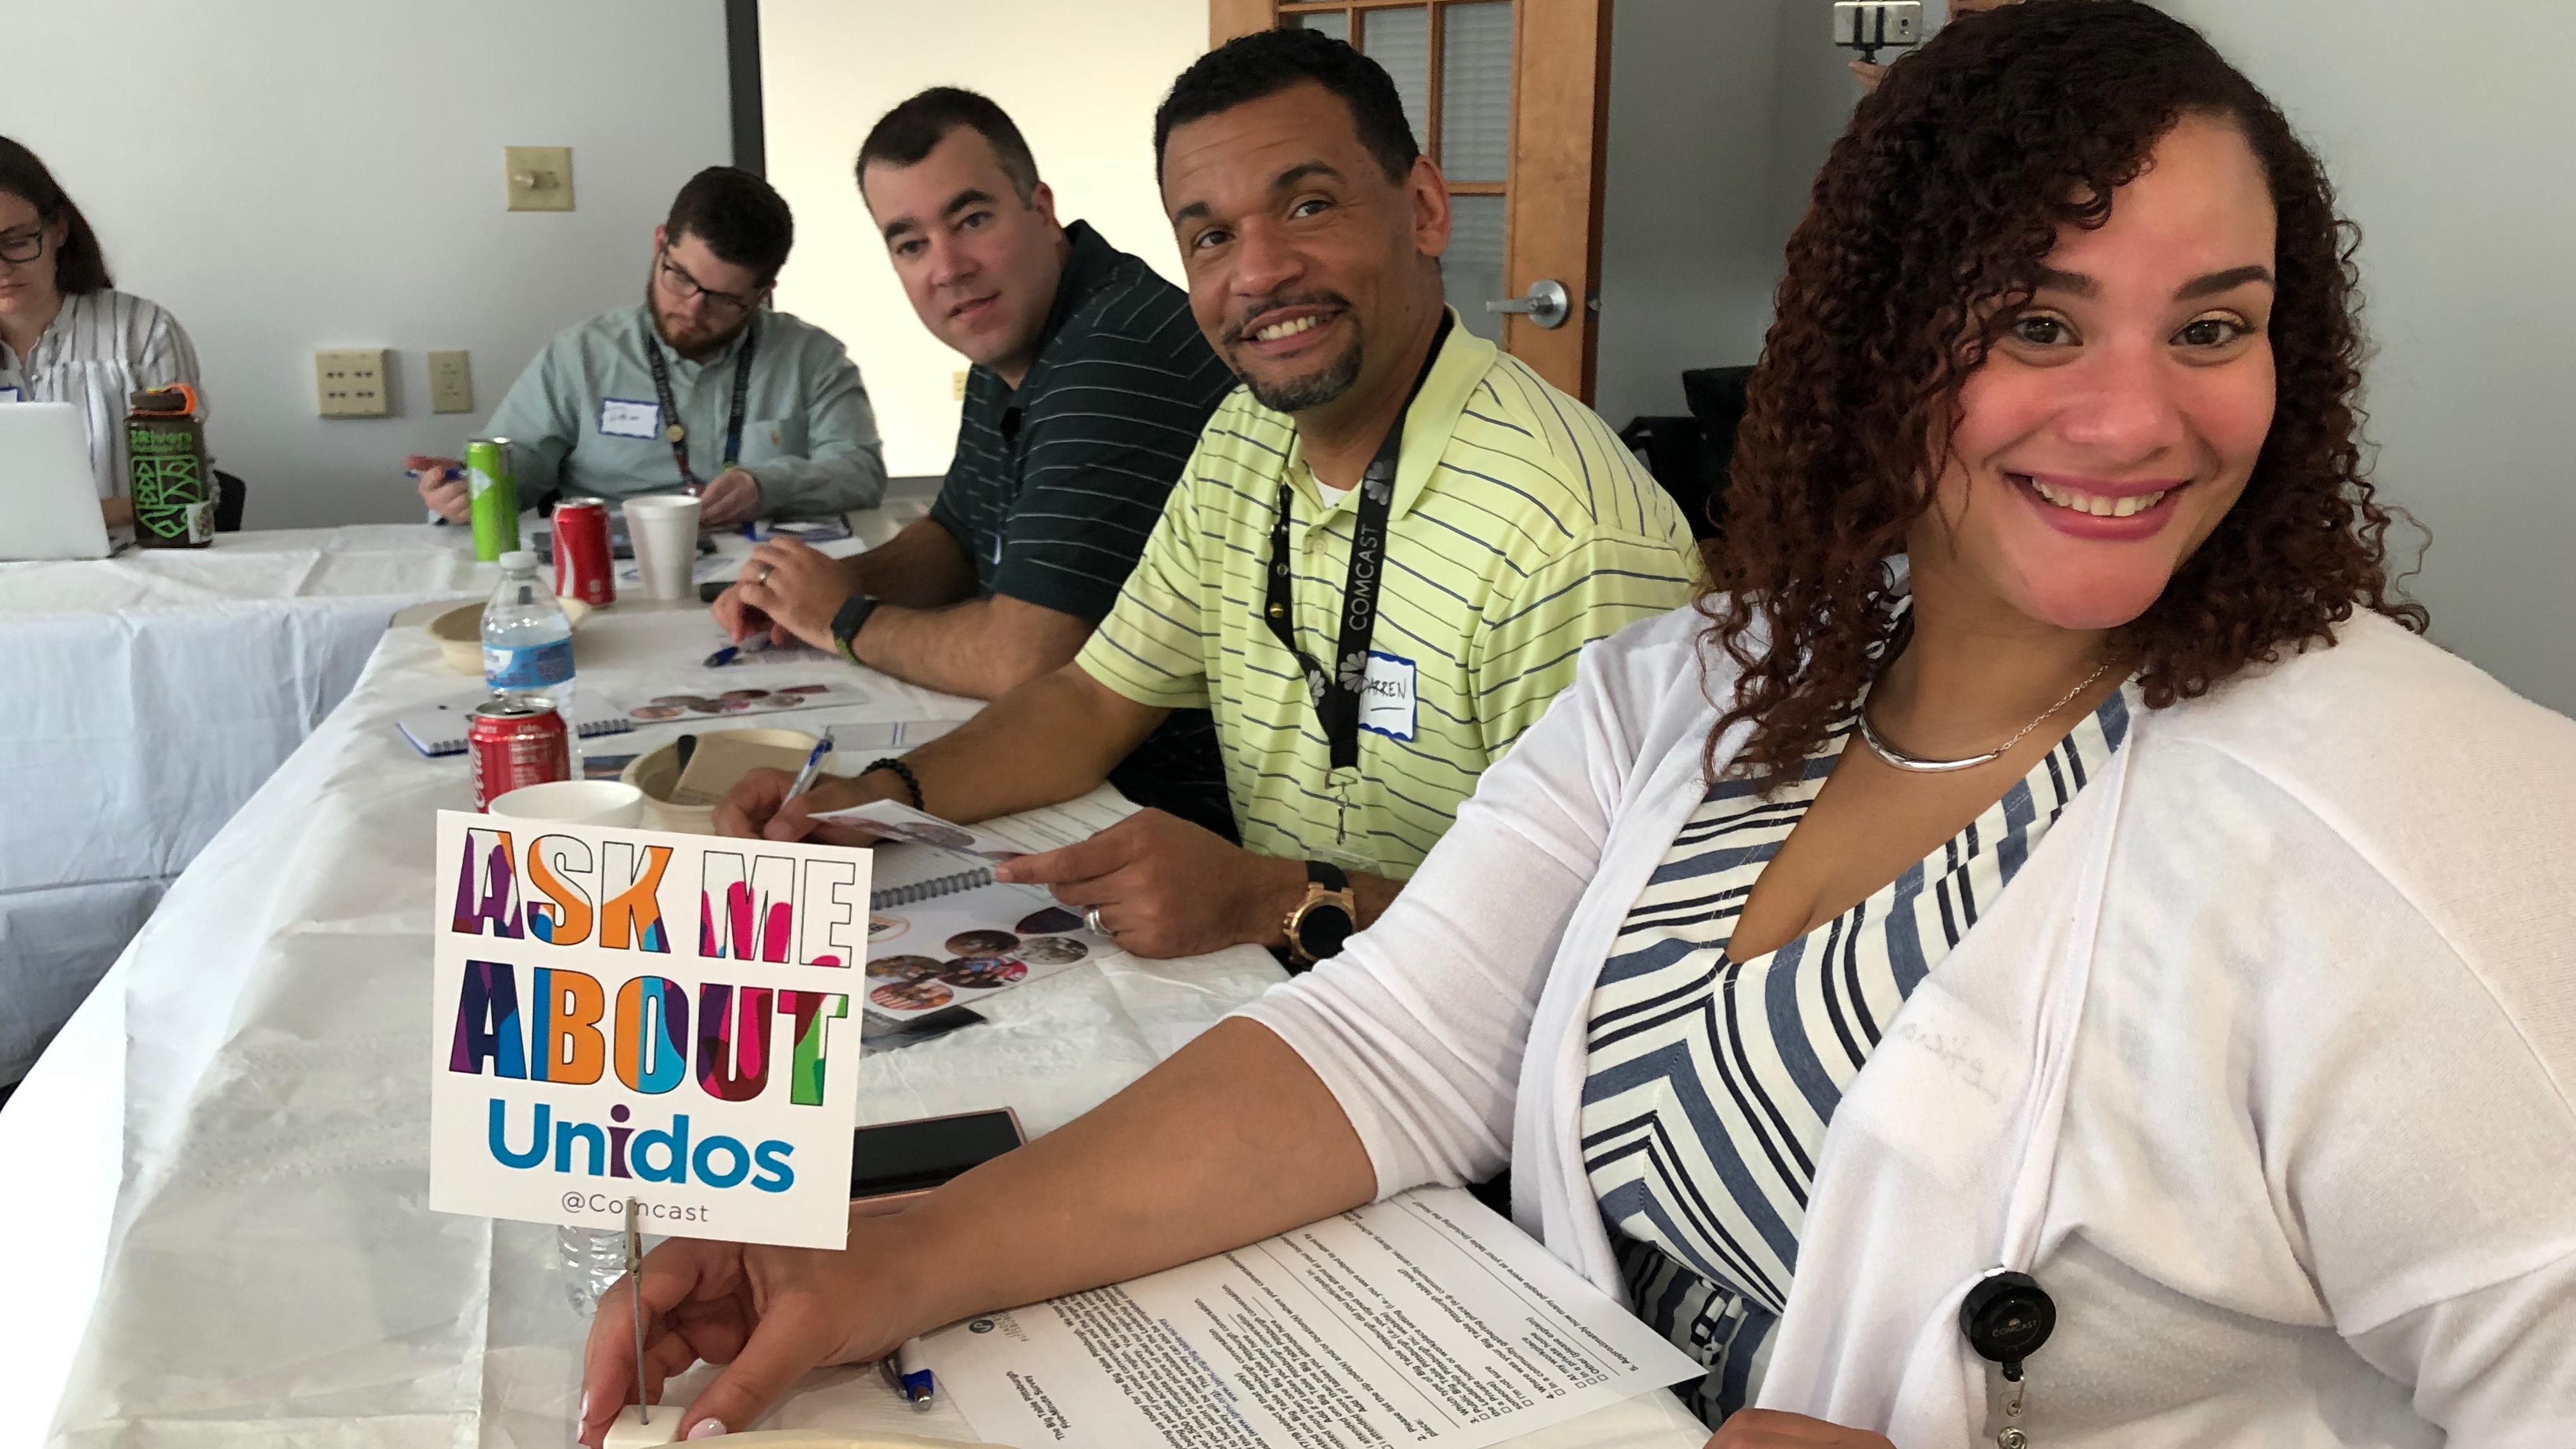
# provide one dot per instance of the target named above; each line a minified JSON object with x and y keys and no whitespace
{"x":1922,"y":765}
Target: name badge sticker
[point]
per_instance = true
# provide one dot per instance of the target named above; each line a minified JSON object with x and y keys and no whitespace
{"x":1387,"y":696}
{"x":11,"y":392}
{"x":624,"y":418}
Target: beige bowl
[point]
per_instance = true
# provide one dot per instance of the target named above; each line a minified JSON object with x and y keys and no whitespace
{"x":657,"y":773}
{"x":459,"y":633}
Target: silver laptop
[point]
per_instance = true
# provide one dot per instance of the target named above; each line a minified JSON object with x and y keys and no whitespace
{"x":48,"y":498}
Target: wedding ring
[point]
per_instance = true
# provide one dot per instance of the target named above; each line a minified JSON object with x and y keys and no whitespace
{"x":765,"y":571}
{"x":1091,"y":918}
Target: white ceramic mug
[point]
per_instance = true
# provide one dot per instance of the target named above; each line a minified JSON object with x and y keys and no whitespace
{"x":574,"y":802}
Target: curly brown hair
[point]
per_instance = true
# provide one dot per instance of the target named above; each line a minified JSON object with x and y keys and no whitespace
{"x":1923,"y":239}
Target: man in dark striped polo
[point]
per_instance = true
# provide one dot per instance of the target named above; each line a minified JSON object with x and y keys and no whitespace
{"x":1090,"y":386}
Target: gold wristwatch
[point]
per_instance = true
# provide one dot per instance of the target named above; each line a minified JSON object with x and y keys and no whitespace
{"x":1325,"y":918}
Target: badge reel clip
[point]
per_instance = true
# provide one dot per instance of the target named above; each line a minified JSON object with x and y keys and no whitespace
{"x":2007,"y":1317}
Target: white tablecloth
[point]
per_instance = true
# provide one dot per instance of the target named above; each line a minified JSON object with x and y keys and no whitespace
{"x":148,"y":696}
{"x":227,"y":1242}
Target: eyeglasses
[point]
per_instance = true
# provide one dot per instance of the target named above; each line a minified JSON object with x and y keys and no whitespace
{"x":688,"y":288}
{"x":23,"y":245}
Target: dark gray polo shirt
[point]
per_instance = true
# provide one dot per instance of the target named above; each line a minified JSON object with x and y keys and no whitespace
{"x":1056,"y":485}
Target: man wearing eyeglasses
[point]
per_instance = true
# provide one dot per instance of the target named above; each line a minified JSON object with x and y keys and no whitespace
{"x":702,"y":388}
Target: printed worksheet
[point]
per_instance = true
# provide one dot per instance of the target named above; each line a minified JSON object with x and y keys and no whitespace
{"x":1424,"y":1319}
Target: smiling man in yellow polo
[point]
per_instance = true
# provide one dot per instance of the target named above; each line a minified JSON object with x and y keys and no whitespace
{"x":1377,"y":568}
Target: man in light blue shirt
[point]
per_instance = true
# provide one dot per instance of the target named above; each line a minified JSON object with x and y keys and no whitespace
{"x":699,"y":388}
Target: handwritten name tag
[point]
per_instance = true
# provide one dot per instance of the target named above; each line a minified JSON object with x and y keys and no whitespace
{"x":621,"y":418}
{"x":1387,"y":696}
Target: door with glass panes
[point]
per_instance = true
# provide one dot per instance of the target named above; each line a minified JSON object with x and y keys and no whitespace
{"x":1509,"y":97}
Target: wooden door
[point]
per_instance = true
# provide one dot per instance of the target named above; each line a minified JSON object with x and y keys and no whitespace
{"x":1511,"y":100}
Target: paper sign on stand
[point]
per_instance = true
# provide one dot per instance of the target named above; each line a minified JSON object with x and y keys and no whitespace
{"x":631,"y":1013}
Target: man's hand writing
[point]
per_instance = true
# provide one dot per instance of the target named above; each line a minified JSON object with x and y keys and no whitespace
{"x":759,"y":808}
{"x":732,"y":496}
{"x":794,"y":587}
{"x":1166,"y":887}
{"x":442,"y":485}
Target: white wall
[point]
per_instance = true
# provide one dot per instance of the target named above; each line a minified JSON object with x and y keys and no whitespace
{"x":2446,"y":134}
{"x":1080,"y":81}
{"x":300,"y":174}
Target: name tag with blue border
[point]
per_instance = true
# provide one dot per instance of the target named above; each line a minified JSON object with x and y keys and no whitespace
{"x":1387,"y":701}
{"x":625,"y":418}
{"x":11,"y":392}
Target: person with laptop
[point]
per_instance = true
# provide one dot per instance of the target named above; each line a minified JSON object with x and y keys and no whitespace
{"x":1089,"y":387}
{"x":701,"y":387}
{"x":66,"y":334}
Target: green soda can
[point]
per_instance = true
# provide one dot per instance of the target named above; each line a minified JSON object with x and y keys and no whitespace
{"x":492,"y":493}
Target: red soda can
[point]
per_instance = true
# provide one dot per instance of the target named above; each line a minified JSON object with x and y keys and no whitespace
{"x":583,"y":569}
{"x":515,"y":742}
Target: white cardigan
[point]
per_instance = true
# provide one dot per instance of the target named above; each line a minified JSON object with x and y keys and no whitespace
{"x":2263,"y":1065}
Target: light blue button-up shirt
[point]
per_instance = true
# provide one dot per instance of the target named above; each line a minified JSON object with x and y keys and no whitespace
{"x":808,"y":434}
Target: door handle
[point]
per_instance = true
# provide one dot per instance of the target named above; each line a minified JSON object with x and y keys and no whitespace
{"x":1545,"y":304}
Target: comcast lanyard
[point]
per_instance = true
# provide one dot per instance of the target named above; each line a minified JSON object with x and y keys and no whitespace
{"x":1335,"y":693}
{"x":674,"y":431}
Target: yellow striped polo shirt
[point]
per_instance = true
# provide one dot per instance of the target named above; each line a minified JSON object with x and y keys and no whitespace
{"x":1521,"y":531}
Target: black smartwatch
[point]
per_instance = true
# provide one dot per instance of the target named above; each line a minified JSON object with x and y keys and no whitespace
{"x":847,"y":623}
{"x":1325,"y":918}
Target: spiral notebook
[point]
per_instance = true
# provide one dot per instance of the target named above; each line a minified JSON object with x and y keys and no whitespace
{"x":440,"y":730}
{"x":941,"y":931}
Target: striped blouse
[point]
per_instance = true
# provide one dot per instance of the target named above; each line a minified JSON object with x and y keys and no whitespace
{"x":101,"y":348}
{"x":1709,"y":1081}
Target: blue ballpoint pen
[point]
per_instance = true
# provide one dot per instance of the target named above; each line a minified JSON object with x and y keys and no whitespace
{"x":813,"y":767}
{"x":914,"y":1379}
{"x":756,"y":644}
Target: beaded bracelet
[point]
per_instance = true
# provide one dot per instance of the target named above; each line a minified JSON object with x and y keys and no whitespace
{"x":903,"y":772}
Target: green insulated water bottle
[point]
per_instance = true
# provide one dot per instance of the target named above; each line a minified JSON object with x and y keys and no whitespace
{"x":166,"y":469}
{"x":492,"y":495}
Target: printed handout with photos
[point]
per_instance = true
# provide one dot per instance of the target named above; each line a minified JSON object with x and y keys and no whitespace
{"x":941,"y":931}
{"x":746,"y":700}
{"x":1423,"y":1319}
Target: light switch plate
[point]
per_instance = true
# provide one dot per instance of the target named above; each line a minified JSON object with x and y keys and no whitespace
{"x":351,"y":381}
{"x":539,"y":177}
{"x":451,"y":383}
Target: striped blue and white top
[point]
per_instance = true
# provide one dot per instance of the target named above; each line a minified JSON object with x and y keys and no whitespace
{"x":101,"y":349}
{"x":1710,"y":1081}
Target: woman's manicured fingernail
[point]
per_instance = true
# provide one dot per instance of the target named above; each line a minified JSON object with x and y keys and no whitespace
{"x":585,"y":1406}
{"x":707,"y":1429}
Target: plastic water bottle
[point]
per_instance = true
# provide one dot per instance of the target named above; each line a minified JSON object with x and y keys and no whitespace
{"x":527,"y":638}
{"x":592,"y":1262}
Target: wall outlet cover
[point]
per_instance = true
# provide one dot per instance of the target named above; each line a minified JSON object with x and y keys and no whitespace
{"x":451,"y":382}
{"x":352,"y":382}
{"x":538,"y":178}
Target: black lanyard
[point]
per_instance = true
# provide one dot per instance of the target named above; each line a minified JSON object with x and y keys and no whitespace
{"x":1336,"y":693}
{"x":674,"y":431}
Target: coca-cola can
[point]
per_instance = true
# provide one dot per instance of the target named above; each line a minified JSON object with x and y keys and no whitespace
{"x":583,"y":568}
{"x":515,"y":742}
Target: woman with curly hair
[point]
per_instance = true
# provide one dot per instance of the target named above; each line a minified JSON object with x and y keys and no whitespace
{"x":2053,"y":852}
